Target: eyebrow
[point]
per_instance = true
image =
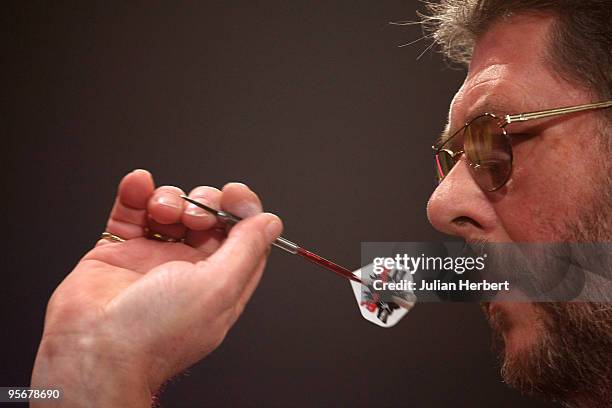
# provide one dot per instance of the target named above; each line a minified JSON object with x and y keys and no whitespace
{"x":497,"y":106}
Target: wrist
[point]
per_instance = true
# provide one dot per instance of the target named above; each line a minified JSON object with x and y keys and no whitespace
{"x":90,"y":372}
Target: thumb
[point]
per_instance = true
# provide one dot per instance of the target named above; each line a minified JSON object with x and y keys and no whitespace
{"x":246,"y":245}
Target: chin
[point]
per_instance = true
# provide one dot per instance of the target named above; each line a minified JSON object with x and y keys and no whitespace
{"x":560,"y":351}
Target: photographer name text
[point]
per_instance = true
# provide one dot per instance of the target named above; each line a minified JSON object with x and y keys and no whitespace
{"x":438,"y":285}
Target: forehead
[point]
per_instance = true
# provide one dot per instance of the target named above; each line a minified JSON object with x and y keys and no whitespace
{"x":509,"y":71}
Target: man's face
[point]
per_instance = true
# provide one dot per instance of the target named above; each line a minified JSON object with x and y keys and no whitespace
{"x":555,"y":191}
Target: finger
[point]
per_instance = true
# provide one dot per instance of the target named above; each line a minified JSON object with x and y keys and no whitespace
{"x":240,"y":200}
{"x":128,"y":218}
{"x":235,"y":198}
{"x":238,"y":257}
{"x":206,"y":241}
{"x":196,"y":218}
{"x":202,"y":234}
{"x":166,"y":205}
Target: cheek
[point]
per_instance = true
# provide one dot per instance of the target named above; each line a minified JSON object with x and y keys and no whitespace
{"x":543,"y":193}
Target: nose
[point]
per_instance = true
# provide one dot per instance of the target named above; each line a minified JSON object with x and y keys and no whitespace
{"x":459,"y":207}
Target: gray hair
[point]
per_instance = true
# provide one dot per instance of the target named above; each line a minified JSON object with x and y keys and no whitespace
{"x":580,"y":41}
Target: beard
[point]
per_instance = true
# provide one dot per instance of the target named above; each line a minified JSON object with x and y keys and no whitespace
{"x":571,"y":360}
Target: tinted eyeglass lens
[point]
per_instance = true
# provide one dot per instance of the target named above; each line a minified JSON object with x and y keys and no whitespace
{"x":489,"y":152}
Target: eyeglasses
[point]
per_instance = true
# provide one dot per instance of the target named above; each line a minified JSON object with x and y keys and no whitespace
{"x":486,"y":145}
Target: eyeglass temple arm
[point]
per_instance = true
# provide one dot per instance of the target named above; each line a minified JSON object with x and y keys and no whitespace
{"x":522,"y":117}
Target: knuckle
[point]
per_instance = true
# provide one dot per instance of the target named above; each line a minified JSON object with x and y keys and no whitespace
{"x":168,"y":189}
{"x":205,"y":191}
{"x":235,"y":184}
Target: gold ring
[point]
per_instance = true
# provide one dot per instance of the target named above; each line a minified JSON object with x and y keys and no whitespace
{"x":160,"y":237}
{"x":111,"y":237}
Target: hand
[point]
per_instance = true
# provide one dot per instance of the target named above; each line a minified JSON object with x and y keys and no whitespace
{"x":132,"y":314}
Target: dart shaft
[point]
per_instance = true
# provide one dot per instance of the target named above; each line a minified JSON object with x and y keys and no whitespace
{"x":282,"y":243}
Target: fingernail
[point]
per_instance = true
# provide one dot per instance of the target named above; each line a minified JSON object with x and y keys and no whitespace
{"x":169,"y":201}
{"x":274,"y":227}
{"x":196,"y":211}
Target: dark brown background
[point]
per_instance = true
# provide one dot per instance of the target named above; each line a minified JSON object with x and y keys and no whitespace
{"x":310,"y":103}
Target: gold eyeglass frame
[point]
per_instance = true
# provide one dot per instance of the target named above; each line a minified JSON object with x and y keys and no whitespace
{"x":508,"y":119}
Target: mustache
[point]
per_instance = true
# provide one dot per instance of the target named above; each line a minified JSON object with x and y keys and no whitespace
{"x":548,"y":271}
